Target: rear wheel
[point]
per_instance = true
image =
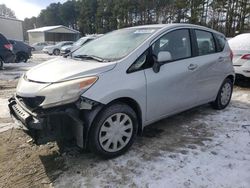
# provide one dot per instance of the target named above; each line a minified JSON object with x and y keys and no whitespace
{"x":224,"y":95}
{"x":56,"y":52}
{"x":1,"y":64}
{"x":113,"y":131}
{"x":21,"y":57}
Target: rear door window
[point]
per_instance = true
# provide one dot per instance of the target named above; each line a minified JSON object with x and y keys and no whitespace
{"x":221,"y":41}
{"x":205,"y":42}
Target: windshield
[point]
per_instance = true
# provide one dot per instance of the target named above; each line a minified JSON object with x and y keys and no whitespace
{"x":240,"y":42}
{"x":80,"y":41}
{"x":59,"y":43}
{"x":115,"y":45}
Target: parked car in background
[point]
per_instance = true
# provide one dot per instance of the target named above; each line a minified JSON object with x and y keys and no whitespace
{"x":68,"y":48}
{"x":38,"y":46}
{"x":21,"y":50}
{"x":108,"y":90}
{"x":6,"y":53}
{"x":55,"y":49}
{"x":240,"y":46}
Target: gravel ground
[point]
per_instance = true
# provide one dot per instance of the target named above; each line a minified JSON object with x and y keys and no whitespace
{"x":201,"y":147}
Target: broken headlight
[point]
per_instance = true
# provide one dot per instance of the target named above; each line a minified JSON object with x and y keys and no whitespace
{"x":65,"y":92}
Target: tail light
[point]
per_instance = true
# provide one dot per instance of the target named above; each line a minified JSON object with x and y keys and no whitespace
{"x":246,"y":57}
{"x":8,"y":46}
{"x":231,"y":55}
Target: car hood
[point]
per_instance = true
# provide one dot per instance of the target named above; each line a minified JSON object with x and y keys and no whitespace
{"x":62,"y":69}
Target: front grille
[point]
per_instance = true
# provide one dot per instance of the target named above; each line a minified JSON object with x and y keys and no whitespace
{"x":31,"y":102}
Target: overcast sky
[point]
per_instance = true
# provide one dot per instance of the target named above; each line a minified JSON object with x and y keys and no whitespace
{"x":28,"y":8}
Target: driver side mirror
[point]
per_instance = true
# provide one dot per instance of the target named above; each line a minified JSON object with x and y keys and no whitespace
{"x":163,"y":57}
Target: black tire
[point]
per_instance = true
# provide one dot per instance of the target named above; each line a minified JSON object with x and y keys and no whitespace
{"x":1,"y":63}
{"x":94,"y":135}
{"x":56,"y":52}
{"x":219,"y":104}
{"x":21,"y":57}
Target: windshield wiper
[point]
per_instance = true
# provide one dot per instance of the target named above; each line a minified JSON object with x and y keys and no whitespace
{"x":90,"y":57}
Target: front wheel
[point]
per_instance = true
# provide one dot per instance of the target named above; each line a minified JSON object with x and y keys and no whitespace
{"x":56,"y":52}
{"x":113,"y":131}
{"x":224,"y":95}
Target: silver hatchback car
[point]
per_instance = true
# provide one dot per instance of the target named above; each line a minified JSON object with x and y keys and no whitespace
{"x":103,"y":94}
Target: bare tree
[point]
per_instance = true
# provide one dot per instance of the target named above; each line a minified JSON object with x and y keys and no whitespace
{"x":6,"y":12}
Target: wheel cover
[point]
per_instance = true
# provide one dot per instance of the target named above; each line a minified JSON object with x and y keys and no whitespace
{"x":57,"y":52}
{"x":21,"y":58}
{"x":226,"y":93}
{"x":116,"y":132}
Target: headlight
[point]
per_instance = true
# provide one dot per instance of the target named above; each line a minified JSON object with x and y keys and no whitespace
{"x":65,"y":92}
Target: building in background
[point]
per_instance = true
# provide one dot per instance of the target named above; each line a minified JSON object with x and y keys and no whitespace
{"x":52,"y":34}
{"x":11,"y":28}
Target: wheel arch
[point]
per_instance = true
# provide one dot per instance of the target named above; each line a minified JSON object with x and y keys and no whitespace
{"x":231,"y":77}
{"x":135,"y":106}
{"x":89,"y":116}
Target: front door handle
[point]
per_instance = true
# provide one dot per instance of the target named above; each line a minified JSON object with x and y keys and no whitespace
{"x":192,"y":66}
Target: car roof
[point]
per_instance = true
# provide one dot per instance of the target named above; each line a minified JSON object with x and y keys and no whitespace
{"x":174,"y":25}
{"x":65,"y":41}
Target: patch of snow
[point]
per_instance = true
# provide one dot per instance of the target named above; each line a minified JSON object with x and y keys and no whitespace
{"x":4,"y":110}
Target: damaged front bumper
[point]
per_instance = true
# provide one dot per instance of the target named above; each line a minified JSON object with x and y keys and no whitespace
{"x":54,"y":124}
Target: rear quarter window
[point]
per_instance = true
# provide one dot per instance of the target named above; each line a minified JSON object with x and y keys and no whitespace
{"x":12,"y":42}
{"x":221,"y":41}
{"x":3,"y":40}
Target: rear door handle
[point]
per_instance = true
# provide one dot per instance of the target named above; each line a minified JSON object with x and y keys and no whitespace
{"x":192,"y":66}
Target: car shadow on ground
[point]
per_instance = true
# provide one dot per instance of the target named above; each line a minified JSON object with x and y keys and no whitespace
{"x":243,"y":82}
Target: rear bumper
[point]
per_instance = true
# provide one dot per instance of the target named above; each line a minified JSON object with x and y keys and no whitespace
{"x":49,"y":125}
{"x":242,"y":70}
{"x":45,"y":51}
